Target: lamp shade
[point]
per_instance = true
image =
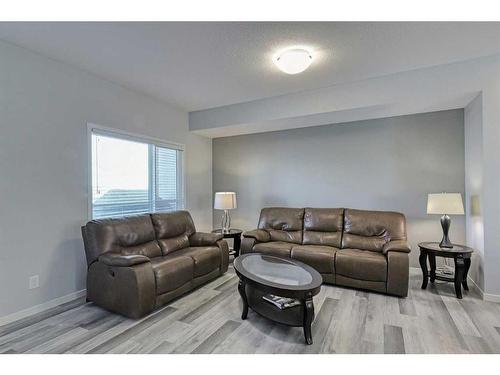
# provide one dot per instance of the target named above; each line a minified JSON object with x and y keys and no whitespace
{"x":225,"y":200}
{"x":445,"y":203}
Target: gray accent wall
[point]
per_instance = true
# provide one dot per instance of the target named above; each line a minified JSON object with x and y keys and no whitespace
{"x":44,"y":109}
{"x":383,"y":164}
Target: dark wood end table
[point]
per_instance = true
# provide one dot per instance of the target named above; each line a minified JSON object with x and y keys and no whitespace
{"x":235,"y":234}
{"x":461,"y":256}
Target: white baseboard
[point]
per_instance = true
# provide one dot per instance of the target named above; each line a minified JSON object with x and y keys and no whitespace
{"x":481,"y":292}
{"x":485,"y":296}
{"x":491,"y":297}
{"x":41,"y":308}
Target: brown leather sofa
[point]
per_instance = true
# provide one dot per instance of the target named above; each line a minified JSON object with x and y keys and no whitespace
{"x":139,"y":263}
{"x":354,"y":248}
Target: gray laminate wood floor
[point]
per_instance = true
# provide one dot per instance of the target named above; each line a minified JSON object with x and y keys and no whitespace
{"x":208,"y":321}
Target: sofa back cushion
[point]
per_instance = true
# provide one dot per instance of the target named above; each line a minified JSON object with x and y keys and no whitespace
{"x":282,"y":223}
{"x":371,"y":230}
{"x":173,"y":230}
{"x":128,"y":235}
{"x":323,"y":226}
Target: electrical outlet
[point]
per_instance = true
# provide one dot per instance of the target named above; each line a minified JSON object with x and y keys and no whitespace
{"x":34,"y":282}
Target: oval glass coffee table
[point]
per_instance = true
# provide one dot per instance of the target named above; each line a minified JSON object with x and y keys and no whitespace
{"x":261,"y":275}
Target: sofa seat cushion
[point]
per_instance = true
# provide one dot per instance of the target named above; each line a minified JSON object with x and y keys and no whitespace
{"x":206,"y":258}
{"x":321,"y":258}
{"x":171,"y":272}
{"x":361,"y":264}
{"x":277,"y":248}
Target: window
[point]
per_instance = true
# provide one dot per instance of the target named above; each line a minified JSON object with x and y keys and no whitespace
{"x":132,"y":175}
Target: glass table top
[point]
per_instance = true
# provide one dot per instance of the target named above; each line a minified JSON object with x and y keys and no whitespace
{"x":276,"y":270}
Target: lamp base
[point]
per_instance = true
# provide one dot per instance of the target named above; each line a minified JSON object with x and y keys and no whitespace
{"x":445,"y":224}
{"x":226,"y":222}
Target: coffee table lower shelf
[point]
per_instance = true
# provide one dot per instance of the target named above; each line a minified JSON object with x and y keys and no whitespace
{"x":297,"y":316}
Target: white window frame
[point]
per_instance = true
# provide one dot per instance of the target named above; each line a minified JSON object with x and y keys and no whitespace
{"x":121,"y":134}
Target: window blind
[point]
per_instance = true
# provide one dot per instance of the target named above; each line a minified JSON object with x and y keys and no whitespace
{"x":167,"y":192}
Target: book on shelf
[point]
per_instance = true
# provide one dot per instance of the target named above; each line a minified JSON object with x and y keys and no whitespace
{"x":281,"y":302}
{"x":445,"y":270}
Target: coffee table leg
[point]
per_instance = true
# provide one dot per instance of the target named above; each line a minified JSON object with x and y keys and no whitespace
{"x":459,"y":276}
{"x":241,"y":289}
{"x":467,"y":266}
{"x":308,"y":318}
{"x":423,"y":264}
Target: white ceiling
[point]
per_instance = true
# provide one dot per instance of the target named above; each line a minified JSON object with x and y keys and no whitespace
{"x":204,"y":65}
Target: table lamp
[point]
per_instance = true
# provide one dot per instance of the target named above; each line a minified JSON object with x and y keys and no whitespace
{"x":445,"y":204}
{"x":226,"y":201}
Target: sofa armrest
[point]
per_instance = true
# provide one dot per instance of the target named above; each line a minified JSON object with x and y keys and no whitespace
{"x":260,"y":235}
{"x":398,"y":245}
{"x":224,"y":249}
{"x":130,"y":291}
{"x":247,"y":245}
{"x":204,"y":239}
{"x":119,"y":260}
{"x":398,"y":273}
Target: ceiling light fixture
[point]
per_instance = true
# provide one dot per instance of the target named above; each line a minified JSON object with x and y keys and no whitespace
{"x":293,"y":61}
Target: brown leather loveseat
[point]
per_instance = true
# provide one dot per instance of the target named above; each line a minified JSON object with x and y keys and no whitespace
{"x":354,"y":248}
{"x":138,"y":263}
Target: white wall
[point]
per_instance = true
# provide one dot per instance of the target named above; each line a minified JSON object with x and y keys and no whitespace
{"x":44,"y":108}
{"x":384,"y":164}
{"x":473,"y":127}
